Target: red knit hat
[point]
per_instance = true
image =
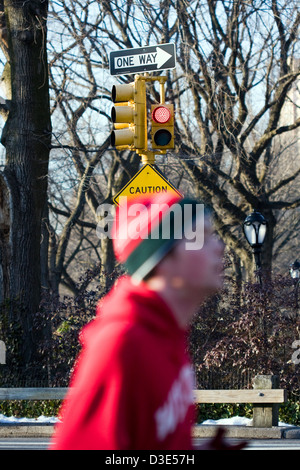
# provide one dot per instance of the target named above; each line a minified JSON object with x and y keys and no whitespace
{"x":139,"y":241}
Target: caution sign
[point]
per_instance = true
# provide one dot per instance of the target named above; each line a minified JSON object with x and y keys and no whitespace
{"x":147,"y":181}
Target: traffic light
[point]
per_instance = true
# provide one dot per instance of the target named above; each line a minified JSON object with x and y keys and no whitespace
{"x":129,"y":115}
{"x":162,"y":130}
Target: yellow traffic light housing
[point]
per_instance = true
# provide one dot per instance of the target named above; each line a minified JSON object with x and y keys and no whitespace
{"x":129,"y":115}
{"x":162,"y":129}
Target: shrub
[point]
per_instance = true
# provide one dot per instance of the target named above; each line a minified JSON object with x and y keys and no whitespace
{"x":248,"y":328}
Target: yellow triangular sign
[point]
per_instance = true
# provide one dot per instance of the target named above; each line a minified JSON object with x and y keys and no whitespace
{"x":147,"y":180}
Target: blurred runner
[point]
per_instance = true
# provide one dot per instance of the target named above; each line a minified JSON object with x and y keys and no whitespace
{"x":132,"y":385}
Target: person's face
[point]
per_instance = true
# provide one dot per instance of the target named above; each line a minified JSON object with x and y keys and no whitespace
{"x":199,"y":271}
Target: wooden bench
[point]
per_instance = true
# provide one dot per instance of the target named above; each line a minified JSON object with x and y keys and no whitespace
{"x":265,"y":401}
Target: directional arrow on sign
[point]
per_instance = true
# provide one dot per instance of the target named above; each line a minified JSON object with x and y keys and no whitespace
{"x":143,"y":59}
{"x":162,"y":57}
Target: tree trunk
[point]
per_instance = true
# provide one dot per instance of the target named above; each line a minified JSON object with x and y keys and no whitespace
{"x":268,"y":245}
{"x":27,"y":138}
{"x":107,"y":264}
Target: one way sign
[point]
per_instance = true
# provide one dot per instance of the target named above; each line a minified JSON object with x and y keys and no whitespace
{"x":142,"y":59}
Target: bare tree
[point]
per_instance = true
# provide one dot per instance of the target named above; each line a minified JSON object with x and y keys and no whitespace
{"x":232,"y":79}
{"x":23,"y":182}
{"x":80,"y":110}
{"x":247,"y":49}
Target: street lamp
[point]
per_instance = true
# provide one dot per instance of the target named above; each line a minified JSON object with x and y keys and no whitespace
{"x":295,"y":271}
{"x":255,"y":229}
{"x":295,"y":275}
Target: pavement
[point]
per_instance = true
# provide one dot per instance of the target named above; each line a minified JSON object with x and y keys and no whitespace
{"x":26,"y":430}
{"x":249,"y":432}
{"x":45,"y":430}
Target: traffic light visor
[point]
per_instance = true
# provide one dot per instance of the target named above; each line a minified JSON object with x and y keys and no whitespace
{"x":122,"y":114}
{"x":121,"y":93}
{"x":122,"y":137}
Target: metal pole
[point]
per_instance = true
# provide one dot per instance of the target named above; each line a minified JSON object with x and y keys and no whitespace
{"x":257,"y":252}
{"x":296,"y":296}
{"x":162,"y":91}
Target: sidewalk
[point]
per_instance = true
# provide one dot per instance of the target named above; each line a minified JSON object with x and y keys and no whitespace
{"x":26,"y":430}
{"x":199,"y":431}
{"x":249,"y":432}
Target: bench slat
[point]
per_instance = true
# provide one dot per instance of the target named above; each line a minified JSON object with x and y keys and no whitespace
{"x":200,"y":396}
{"x":240,"y":396}
{"x":39,"y":393}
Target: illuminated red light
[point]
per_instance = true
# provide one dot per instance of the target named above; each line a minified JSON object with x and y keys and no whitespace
{"x":161,"y":115}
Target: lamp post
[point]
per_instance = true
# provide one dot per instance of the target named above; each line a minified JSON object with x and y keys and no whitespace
{"x":255,"y":229}
{"x":295,"y":275}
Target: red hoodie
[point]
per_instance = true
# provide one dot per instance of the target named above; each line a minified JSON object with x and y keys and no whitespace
{"x":132,"y":387}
